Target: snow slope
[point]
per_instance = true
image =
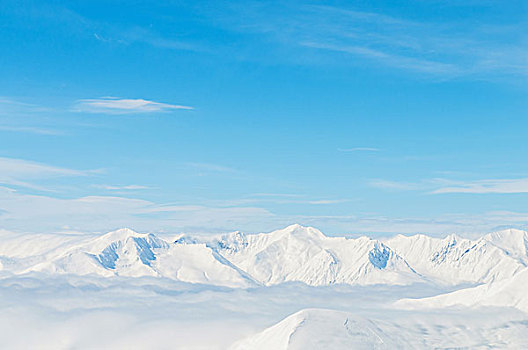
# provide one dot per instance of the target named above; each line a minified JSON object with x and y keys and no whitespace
{"x":511,"y":292}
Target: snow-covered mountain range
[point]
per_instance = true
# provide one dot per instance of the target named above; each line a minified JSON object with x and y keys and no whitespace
{"x":295,"y":253}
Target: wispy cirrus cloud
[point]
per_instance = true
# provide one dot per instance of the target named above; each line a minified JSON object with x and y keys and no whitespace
{"x":445,"y":186}
{"x":277,"y":198}
{"x":121,"y":188}
{"x":30,"y":129}
{"x":19,"y":172}
{"x":487,"y":186}
{"x":397,"y":185}
{"x":327,"y":201}
{"x":469,"y":225}
{"x":7,"y":101}
{"x":104,"y":213}
{"x":11,"y":107}
{"x":276,"y":195}
{"x":359,"y":149}
{"x":439,"y":47}
{"x":210,"y":167}
{"x":388,"y":58}
{"x":114,"y":105}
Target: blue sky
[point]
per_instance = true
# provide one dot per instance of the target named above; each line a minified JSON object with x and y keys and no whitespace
{"x":354,"y":117}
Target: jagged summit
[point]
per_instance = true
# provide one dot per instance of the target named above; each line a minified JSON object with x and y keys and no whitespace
{"x":123,"y":235}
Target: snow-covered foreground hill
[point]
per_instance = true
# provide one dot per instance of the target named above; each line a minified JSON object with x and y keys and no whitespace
{"x":312,"y":329}
{"x":293,"y":288}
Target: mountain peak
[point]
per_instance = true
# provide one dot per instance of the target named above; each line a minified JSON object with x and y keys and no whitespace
{"x":510,"y":233}
{"x":295,"y":227}
{"x":122,"y":233}
{"x":297,"y":230}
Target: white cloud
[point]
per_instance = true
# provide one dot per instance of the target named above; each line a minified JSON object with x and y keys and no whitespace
{"x":440,"y":186}
{"x":276,"y":198}
{"x":389,"y":59}
{"x":440,"y":49}
{"x":359,"y":149}
{"x":327,"y":201}
{"x":488,"y":186}
{"x":119,"y":188}
{"x":17,"y":172}
{"x":279,"y":195}
{"x":10,"y":106}
{"x":10,"y":101}
{"x":396,"y":185}
{"x":123,"y":106}
{"x":30,"y":129}
{"x":104,"y":213}
{"x":468,"y":225}
{"x":210,"y":167}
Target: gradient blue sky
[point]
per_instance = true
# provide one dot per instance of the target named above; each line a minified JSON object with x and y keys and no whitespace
{"x":351,"y":116}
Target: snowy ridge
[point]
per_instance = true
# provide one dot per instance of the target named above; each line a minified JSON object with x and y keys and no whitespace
{"x":304,"y":254}
{"x":455,"y":260}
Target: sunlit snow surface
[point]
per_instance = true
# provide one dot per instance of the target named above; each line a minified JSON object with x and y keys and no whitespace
{"x":290,"y":289}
